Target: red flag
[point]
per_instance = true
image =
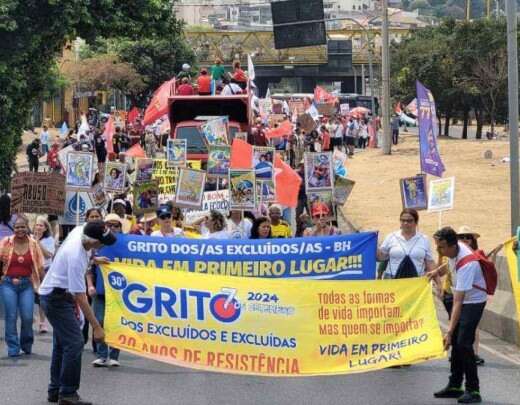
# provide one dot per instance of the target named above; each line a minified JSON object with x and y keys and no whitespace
{"x":136,"y":151}
{"x":132,"y":115}
{"x":159,"y":104}
{"x":108,"y":134}
{"x":287,"y":183}
{"x":241,"y":155}
{"x":284,"y":129}
{"x":323,"y":96}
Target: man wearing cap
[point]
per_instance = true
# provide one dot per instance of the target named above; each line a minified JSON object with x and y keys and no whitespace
{"x":164,"y":213}
{"x":61,"y":292}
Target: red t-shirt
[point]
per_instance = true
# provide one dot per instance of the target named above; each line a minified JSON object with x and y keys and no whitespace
{"x":326,"y":140}
{"x":204,"y":84}
{"x":240,"y":76}
{"x":20,"y":266}
{"x":185,"y":90}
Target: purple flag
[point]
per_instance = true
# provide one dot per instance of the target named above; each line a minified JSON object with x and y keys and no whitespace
{"x":431,"y":162}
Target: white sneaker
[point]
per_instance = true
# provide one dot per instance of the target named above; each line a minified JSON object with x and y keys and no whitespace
{"x":113,"y":363}
{"x":100,"y":363}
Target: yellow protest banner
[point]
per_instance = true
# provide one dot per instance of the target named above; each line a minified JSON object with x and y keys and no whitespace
{"x":514,"y":272}
{"x":269,"y":327}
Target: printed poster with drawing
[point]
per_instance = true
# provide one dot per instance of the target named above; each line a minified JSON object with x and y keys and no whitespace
{"x":441,"y":194}
{"x":115,"y":174}
{"x":319,"y":172}
{"x":216,"y":131}
{"x":146,"y":197}
{"x":413,"y":192}
{"x":80,"y":173}
{"x":321,"y":204}
{"x":176,"y":152}
{"x":219,"y":158}
{"x":242,"y":190}
{"x":98,"y":195}
{"x":265,"y":191}
{"x":190,"y":188}
{"x":263,"y":158}
{"x":144,"y":170}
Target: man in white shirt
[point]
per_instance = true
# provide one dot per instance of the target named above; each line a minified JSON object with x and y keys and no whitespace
{"x":61,"y":293}
{"x":469,"y":300}
{"x":45,"y":140}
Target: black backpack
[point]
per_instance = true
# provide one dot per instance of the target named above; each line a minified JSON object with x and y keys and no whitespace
{"x":407,"y":267}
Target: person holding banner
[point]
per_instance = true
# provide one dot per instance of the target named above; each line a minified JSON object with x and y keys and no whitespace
{"x":21,"y":261}
{"x":106,"y":357}
{"x":408,"y":251}
{"x":261,"y":228}
{"x":47,"y":243}
{"x":61,"y":293}
{"x":167,"y":228}
{"x":469,"y":300}
{"x":279,"y":228}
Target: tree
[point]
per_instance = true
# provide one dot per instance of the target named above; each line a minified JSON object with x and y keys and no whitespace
{"x":104,"y":72}
{"x":33,"y":35}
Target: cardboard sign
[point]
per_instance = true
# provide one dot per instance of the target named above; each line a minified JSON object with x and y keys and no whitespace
{"x":274,"y":119}
{"x":327,"y":109}
{"x":296,"y":105}
{"x":166,"y":178}
{"x":306,"y":122}
{"x":38,"y":193}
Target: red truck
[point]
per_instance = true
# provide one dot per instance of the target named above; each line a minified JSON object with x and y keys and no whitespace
{"x":188,"y":113}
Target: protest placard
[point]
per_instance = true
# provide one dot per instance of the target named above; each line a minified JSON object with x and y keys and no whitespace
{"x":115,"y":176}
{"x":38,"y":193}
{"x":306,"y":122}
{"x":256,"y":326}
{"x":166,"y":178}
{"x":219,"y":157}
{"x":76,"y":206}
{"x":190,"y":188}
{"x":321,"y":204}
{"x":176,"y":152}
{"x":413,"y":192}
{"x":441,"y":194}
{"x":146,"y":197}
{"x":327,"y":109}
{"x":242,"y":189}
{"x":274,"y":119}
{"x":79,"y":171}
{"x":211,"y":201}
{"x":342,"y":190}
{"x":263,"y":158}
{"x":319,"y":172}
{"x":144,"y":170}
{"x":344,"y":109}
{"x":296,"y":106}
{"x":216,"y":131}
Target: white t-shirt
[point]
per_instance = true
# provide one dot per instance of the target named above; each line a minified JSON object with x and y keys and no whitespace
{"x":49,"y":244}
{"x":68,"y":267}
{"x":467,"y":276}
{"x":231,"y":89}
{"x":176,"y":232}
{"x":240,"y":231}
{"x":224,"y":234}
{"x":395,"y":247}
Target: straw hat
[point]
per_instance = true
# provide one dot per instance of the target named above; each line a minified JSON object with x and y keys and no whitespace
{"x":148,"y":217}
{"x":466,"y":230}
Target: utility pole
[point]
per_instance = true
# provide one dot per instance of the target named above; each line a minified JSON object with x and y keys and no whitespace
{"x":512,"y":87}
{"x":385,"y":65}
{"x":468,"y":10}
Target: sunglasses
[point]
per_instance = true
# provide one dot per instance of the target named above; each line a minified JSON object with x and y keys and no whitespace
{"x":114,"y":225}
{"x":165,"y":216}
{"x":465,"y":237}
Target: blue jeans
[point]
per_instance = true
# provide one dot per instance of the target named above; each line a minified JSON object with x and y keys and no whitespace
{"x":67,"y":343}
{"x":102,"y":348}
{"x":18,"y":299}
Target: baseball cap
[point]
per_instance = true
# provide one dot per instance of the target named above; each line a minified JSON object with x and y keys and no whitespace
{"x":164,"y":210}
{"x":99,"y":231}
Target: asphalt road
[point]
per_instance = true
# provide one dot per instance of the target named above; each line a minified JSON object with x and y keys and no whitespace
{"x":139,"y":381}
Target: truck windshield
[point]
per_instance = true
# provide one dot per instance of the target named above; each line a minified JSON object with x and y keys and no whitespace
{"x":193,"y":138}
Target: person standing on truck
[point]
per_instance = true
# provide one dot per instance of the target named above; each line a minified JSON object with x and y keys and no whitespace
{"x":218,"y":72}
{"x":239,"y":75}
{"x":185,"y":89}
{"x":204,"y":83}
